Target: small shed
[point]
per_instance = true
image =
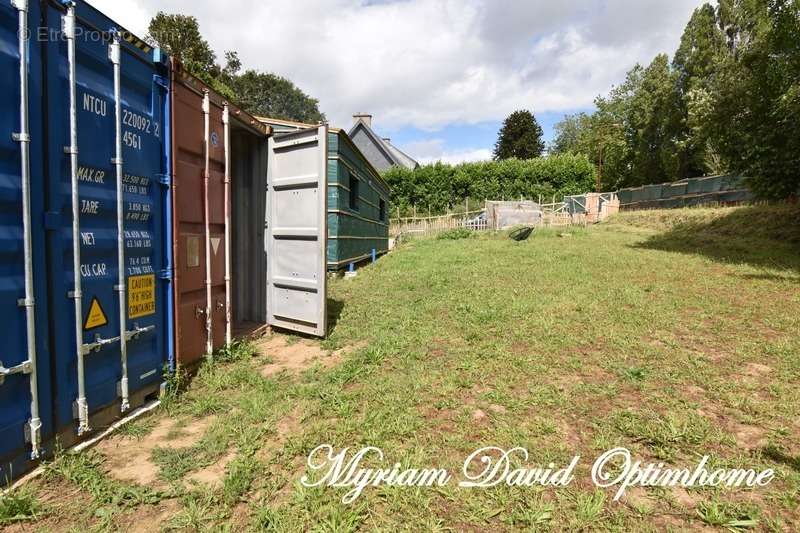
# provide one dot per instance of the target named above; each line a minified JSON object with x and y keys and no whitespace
{"x":358,"y":199}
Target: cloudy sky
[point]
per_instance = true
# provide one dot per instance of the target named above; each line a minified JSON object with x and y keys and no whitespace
{"x":439,"y":76}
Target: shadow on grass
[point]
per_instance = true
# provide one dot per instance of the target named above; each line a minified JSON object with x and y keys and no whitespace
{"x":759,"y":236}
{"x":779,"y":456}
{"x":334,"y":312}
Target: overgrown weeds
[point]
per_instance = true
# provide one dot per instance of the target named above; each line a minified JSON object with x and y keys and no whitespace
{"x":19,"y":506}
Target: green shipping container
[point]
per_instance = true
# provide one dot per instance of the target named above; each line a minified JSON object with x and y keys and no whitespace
{"x":358,"y":204}
{"x":358,"y":199}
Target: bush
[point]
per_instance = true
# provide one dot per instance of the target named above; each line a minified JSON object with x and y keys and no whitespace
{"x":440,"y":186}
{"x":455,"y":234}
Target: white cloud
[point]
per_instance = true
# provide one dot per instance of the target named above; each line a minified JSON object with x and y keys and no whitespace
{"x":133,"y":16}
{"x":433,"y":150}
{"x":427,"y":63}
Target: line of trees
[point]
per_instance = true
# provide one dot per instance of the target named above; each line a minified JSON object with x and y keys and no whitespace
{"x":259,"y":93}
{"x":728,"y":101}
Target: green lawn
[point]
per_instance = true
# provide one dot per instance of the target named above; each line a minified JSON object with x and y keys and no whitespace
{"x":673,"y":334}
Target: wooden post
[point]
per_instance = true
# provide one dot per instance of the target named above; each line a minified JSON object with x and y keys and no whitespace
{"x":466,"y":205}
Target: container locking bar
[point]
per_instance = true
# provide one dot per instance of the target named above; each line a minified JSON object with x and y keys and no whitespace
{"x":24,"y":367}
{"x":206,"y":217}
{"x":99,"y":342}
{"x":23,"y":137}
{"x":227,"y":200}
{"x":68,"y":26}
{"x":114,"y":54}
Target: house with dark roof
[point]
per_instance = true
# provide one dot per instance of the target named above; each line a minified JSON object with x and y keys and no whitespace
{"x":379,"y":151}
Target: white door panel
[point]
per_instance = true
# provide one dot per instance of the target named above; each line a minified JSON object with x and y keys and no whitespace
{"x":297,"y":191}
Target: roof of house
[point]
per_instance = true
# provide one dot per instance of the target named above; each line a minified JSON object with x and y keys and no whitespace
{"x":392,"y":153}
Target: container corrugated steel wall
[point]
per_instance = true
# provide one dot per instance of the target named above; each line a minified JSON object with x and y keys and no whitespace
{"x":144,"y":105}
{"x":247,"y":205}
{"x":189,"y":245}
{"x":142,"y":320}
{"x":15,"y":395}
{"x":353,"y":234}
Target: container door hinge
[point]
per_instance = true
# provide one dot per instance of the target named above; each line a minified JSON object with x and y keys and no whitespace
{"x":33,"y":436}
{"x":21,"y":137}
{"x":52,"y":221}
{"x":161,"y":81}
{"x":80,"y":411}
{"x":165,"y":274}
{"x":165,"y":179}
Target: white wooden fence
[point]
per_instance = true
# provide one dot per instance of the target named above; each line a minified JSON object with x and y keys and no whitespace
{"x":437,"y":224}
{"x":553,"y":215}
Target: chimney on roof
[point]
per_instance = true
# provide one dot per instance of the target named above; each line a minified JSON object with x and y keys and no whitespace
{"x":366,"y":118}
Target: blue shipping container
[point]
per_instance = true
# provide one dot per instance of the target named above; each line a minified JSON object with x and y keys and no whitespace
{"x":106,"y":354}
{"x":15,"y":379}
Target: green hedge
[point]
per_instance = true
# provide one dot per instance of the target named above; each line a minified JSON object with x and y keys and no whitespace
{"x":440,"y":186}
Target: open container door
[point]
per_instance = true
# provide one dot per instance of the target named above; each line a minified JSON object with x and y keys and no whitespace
{"x":296,"y":240}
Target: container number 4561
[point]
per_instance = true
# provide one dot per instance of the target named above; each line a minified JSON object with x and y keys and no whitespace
{"x":132,"y":140}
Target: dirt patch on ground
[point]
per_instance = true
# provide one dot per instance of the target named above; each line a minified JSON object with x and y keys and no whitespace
{"x":129,"y":459}
{"x":569,"y":433}
{"x":755,"y":372}
{"x":685,"y":498}
{"x":747,"y":437}
{"x":297,"y":356}
{"x":147,"y":518}
{"x":286,"y":426}
{"x":212,"y":474}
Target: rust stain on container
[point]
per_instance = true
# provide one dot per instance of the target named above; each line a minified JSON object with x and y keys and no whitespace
{"x":190,"y":241}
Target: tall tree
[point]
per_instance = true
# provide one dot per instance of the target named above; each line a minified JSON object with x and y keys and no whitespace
{"x":273,"y":96}
{"x":179,"y":36}
{"x":520,"y":137}
{"x":571,"y":134}
{"x":696,"y":64}
{"x":755,"y":116}
{"x":655,"y":125}
{"x":256,"y":92}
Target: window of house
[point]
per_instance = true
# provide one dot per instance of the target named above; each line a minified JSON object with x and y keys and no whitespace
{"x":382,"y":209}
{"x":353,"y":192}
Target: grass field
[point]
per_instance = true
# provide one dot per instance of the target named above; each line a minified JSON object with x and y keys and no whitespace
{"x":673,"y":334}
